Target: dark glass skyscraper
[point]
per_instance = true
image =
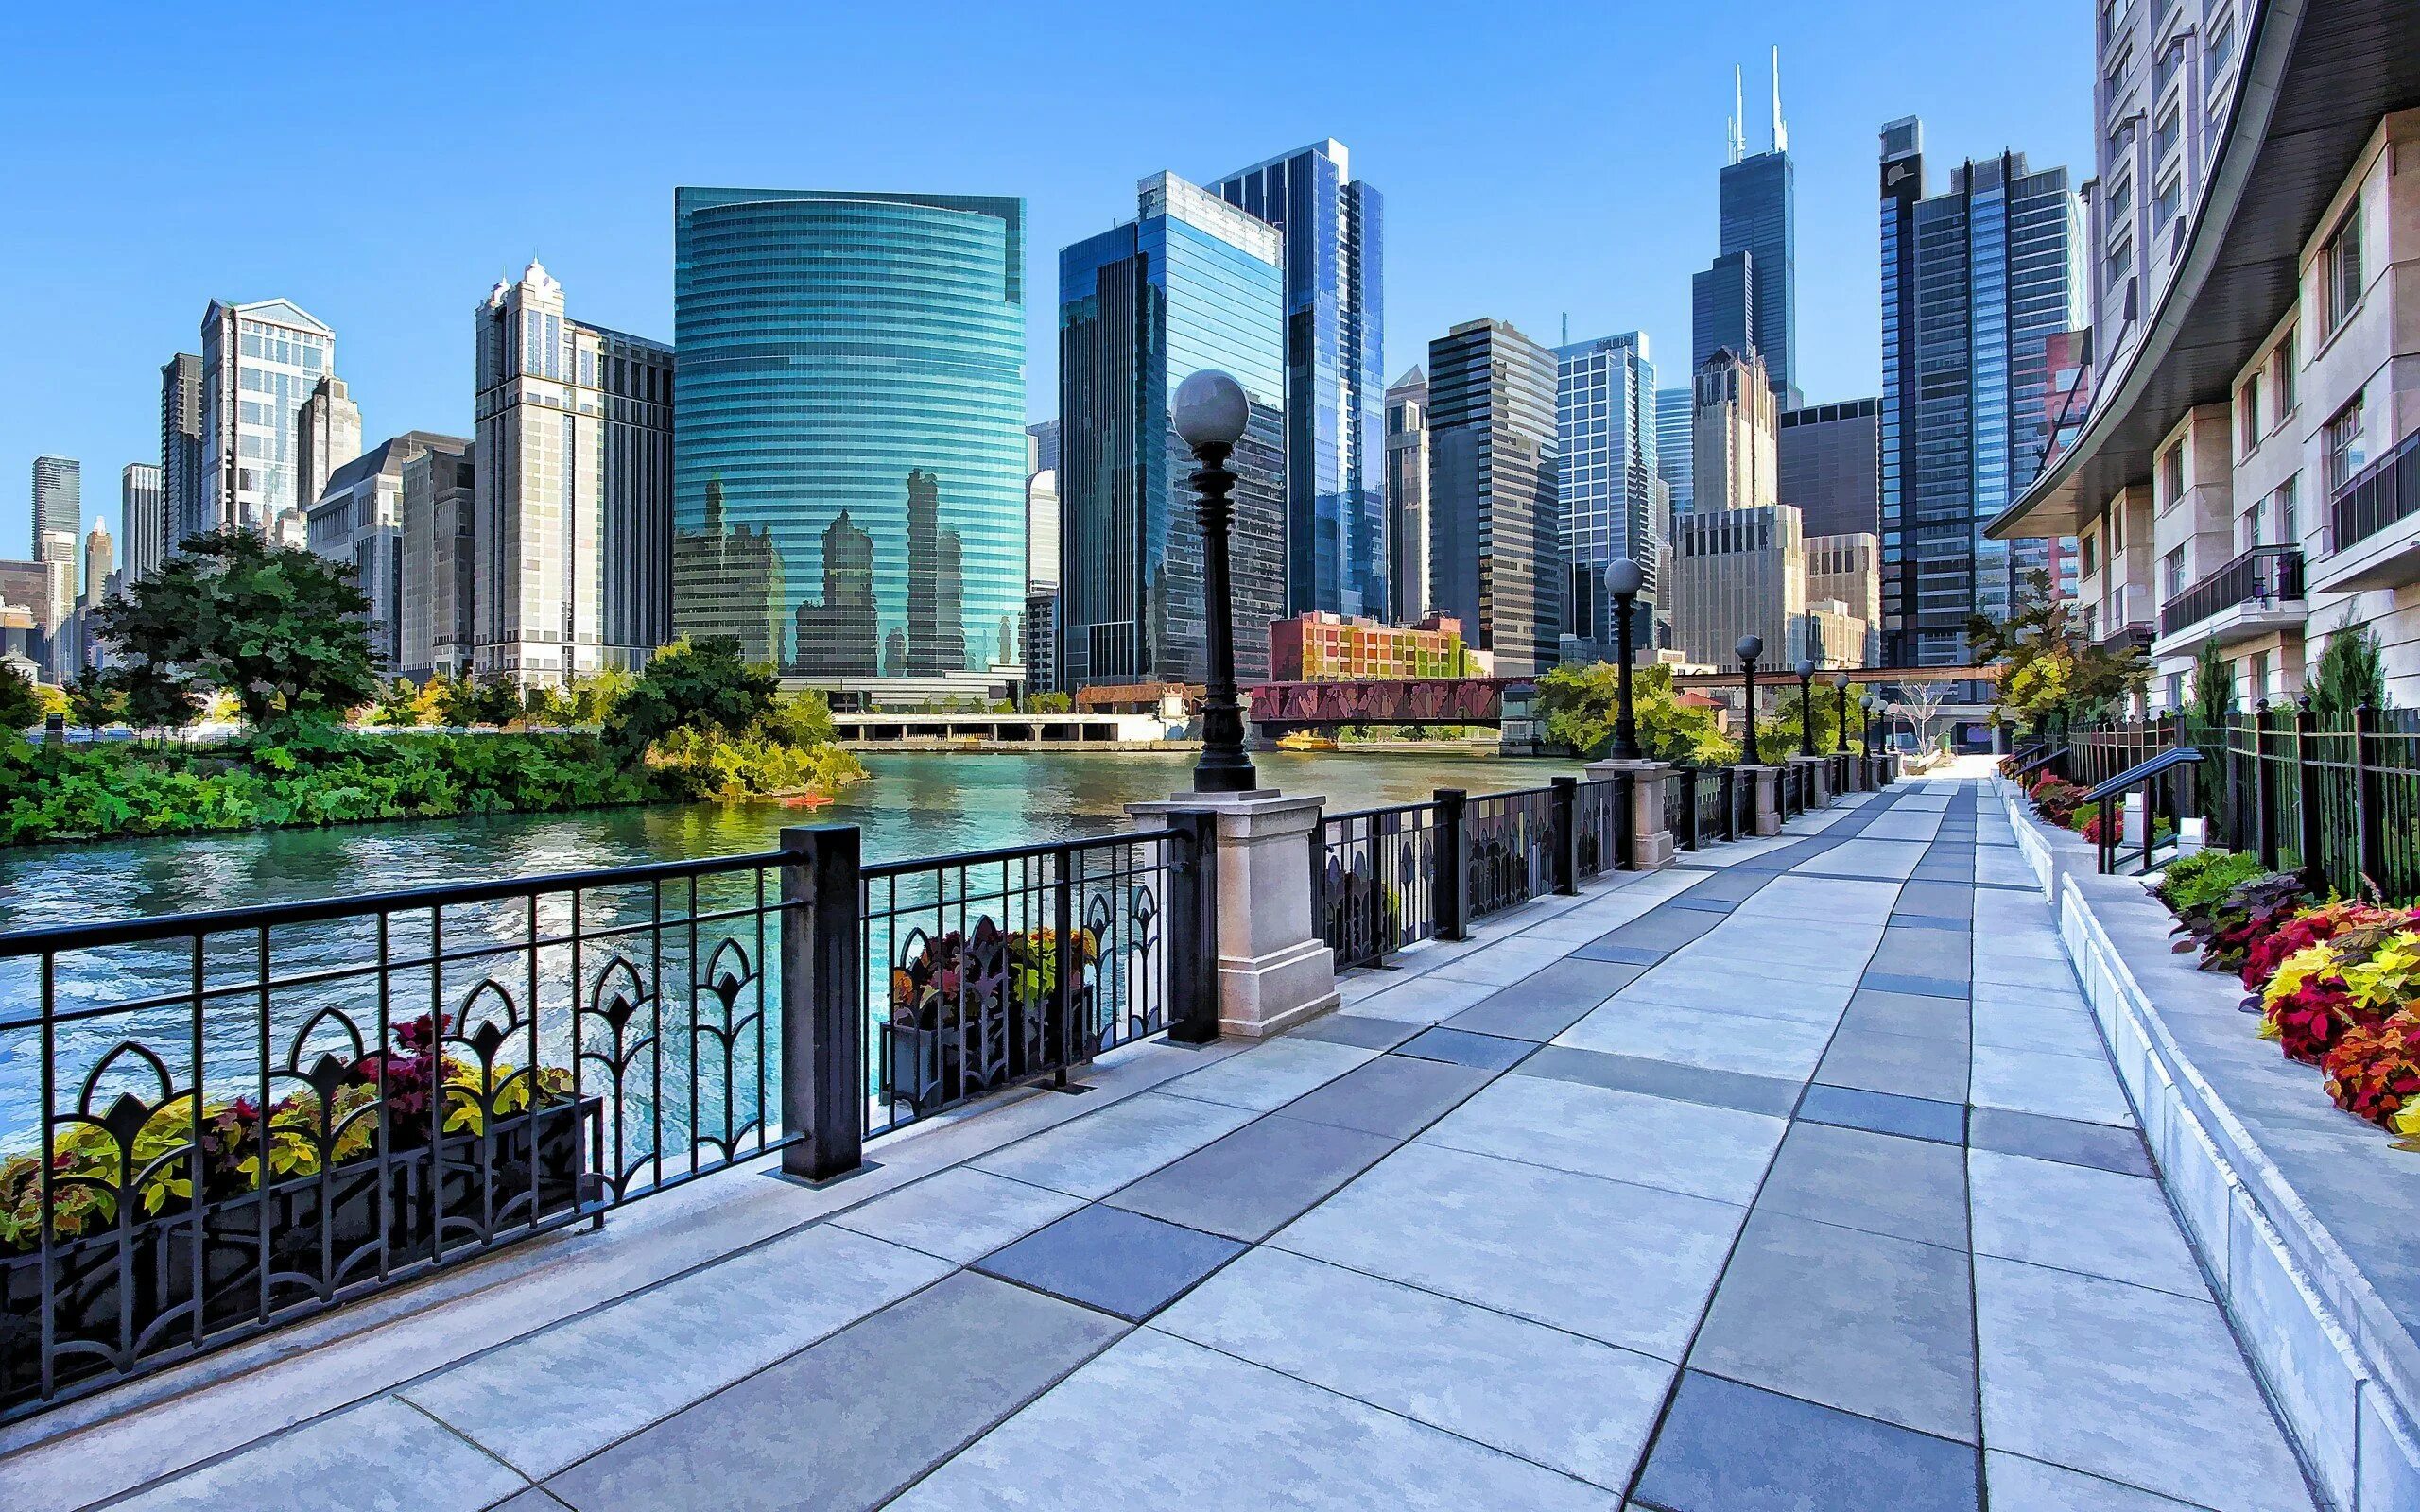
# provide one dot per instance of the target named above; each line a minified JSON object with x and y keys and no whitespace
{"x":850,"y":421}
{"x":1494,"y":524}
{"x":1975,"y":281}
{"x":1191,"y":282}
{"x":1335,"y":388}
{"x":1752,"y":303}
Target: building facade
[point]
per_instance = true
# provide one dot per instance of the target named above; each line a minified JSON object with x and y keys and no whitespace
{"x":1676,"y":451}
{"x":1830,"y":466}
{"x":1737,"y":436}
{"x":1608,"y":488}
{"x":437,"y":631}
{"x":260,"y":365}
{"x":142,"y":518}
{"x":183,"y":489}
{"x":1495,"y":533}
{"x":1747,"y":300}
{"x":1333,"y":648}
{"x":327,"y":437}
{"x":1976,"y":280}
{"x":1735,"y":573}
{"x":782,"y":422}
{"x":1042,"y":446}
{"x":1407,"y":542}
{"x":1847,"y":570}
{"x":58,"y":503}
{"x":358,"y":520}
{"x":1191,"y":283}
{"x":1336,"y":551}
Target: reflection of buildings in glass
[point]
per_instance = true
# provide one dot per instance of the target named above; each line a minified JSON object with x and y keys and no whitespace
{"x":936,"y":612}
{"x":730,"y":581}
{"x":894,"y":654}
{"x":840,"y":637}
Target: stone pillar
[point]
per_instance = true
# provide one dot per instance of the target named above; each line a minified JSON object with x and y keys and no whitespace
{"x":1275,"y":968}
{"x":1768,"y":805}
{"x":1816,"y":773}
{"x":1650,"y":844}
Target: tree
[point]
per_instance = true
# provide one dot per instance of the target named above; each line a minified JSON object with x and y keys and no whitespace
{"x":2351,"y":675}
{"x":802,"y":718}
{"x":91,"y":700}
{"x":1919,"y":705}
{"x":284,"y":630}
{"x":399,"y":704}
{"x":21,"y":707}
{"x":155,"y":697}
{"x":1580,"y":704}
{"x":703,"y":684}
{"x":2051,"y":673}
{"x":592,"y":697}
{"x":459,"y":700}
{"x":2205,"y":723}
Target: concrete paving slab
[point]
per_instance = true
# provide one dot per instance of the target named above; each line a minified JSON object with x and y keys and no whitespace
{"x":1725,"y":1447}
{"x":2042,"y":1081}
{"x":1926,"y":1066}
{"x":1623,"y":1136}
{"x":1702,"y":1037}
{"x":960,"y":1213}
{"x":2099,"y":1145}
{"x":2020,"y":1484}
{"x":1664,"y":1078}
{"x":1359,"y":1030}
{"x":1119,"y":1262}
{"x":1464,"y":1047}
{"x":1393,"y":1095}
{"x":1256,"y":1179}
{"x":1100,"y":1152}
{"x":1272,"y":1073}
{"x":1906,"y":1013}
{"x":1882,"y":1183}
{"x":1885,"y":1113}
{"x":2077,"y":1218}
{"x":340,"y":1464}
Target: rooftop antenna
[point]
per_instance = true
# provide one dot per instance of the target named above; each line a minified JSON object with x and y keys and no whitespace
{"x":1566,"y":328}
{"x":1738,"y":113}
{"x":1781,"y":133}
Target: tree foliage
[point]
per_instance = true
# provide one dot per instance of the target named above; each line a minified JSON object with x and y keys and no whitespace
{"x":2351,"y":675}
{"x":2053,"y":675}
{"x":703,"y":685}
{"x":1580,"y":704}
{"x":21,"y":707}
{"x":93,"y":700}
{"x":284,"y":630}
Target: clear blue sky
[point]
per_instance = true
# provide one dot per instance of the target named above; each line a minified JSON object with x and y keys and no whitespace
{"x":382,"y":165}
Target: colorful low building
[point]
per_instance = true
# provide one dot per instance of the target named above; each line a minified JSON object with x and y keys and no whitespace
{"x":1322,"y":648}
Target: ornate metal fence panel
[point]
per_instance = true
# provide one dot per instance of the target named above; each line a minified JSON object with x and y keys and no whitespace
{"x":1705,"y":811}
{"x":1511,"y":849}
{"x":1601,"y":813}
{"x":1376,"y":875}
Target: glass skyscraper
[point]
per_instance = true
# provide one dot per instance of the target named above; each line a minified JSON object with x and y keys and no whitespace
{"x":1191,"y":282}
{"x":260,"y":363}
{"x":1748,"y":299}
{"x":1494,"y":532}
{"x":1975,"y":281}
{"x":849,"y":410}
{"x":1675,"y":449}
{"x":1606,"y":427}
{"x":1335,"y":388}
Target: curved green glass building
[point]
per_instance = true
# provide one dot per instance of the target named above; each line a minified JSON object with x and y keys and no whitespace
{"x":850,"y":384}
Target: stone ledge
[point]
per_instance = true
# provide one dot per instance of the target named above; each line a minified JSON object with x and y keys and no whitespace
{"x":2303,"y":1215}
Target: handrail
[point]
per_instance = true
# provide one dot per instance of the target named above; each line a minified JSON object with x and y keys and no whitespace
{"x":2142,"y":771}
{"x":2027,"y":768}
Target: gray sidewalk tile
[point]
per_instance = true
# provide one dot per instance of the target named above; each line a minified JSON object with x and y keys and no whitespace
{"x":1531,"y":1242}
{"x":1925,"y":952}
{"x":960,"y":1213}
{"x":1393,"y":1095}
{"x":1712,"y":1037}
{"x":1606,"y":948}
{"x":2079,"y":1219}
{"x":1939,"y":900}
{"x":1094,"y":1156}
{"x":1574,"y":1405}
{"x":2020,"y":1484}
{"x":1664,"y":1078}
{"x":2044,"y":1081}
{"x":1665,"y":929}
{"x":1624,"y":1136}
{"x":1504,"y":961}
{"x":1730,"y":1447}
{"x":1421,"y":1000}
{"x":2027,"y":1027}
{"x":1908,"y":1065}
{"x":1256,"y":1179}
{"x":1570,"y":983}
{"x":1270,"y":1441}
{"x":1919,"y":986}
{"x":1739,"y":988}
{"x":533,"y":1500}
{"x":1864,"y":1322}
{"x":338,"y":1463}
{"x":1512,"y":1015}
{"x":1731,"y":885}
{"x":1701,"y":903}
{"x":1873,"y":1011}
{"x":2099,"y":1145}
{"x":854,"y":1419}
{"x":1271,"y":1074}
{"x":1464,"y":1047}
{"x":560,"y":1395}
{"x":2128,"y":1384}
{"x":2058,"y":996}
{"x":1365,"y":1032}
{"x":1910,"y":1189}
{"x":1961,"y":927}
{"x":1107,"y":1258}
{"x":1886,"y":1113}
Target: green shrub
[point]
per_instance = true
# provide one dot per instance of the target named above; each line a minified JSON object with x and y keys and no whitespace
{"x":2198,"y":882}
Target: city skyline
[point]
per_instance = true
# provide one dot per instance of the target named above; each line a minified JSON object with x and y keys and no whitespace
{"x":608,"y":234}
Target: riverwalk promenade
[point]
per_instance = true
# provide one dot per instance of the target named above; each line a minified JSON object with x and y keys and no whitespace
{"x":1795,"y":1176}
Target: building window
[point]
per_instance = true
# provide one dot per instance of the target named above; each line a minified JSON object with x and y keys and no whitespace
{"x":2171,"y":575}
{"x":2249,"y":526}
{"x":2281,"y":374}
{"x":2344,"y":456}
{"x":2121,"y":201}
{"x":2341,"y":266}
{"x":2171,"y":476}
{"x":2220,"y":54}
{"x":2247,"y":404}
{"x":2176,"y":689}
{"x":2165,"y":135}
{"x":2289,"y":529}
{"x":2088,"y":548}
{"x":2122,"y":262}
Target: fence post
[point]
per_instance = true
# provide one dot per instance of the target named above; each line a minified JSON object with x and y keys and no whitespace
{"x":824,"y":1021}
{"x":2307,"y":804}
{"x":2369,"y":823}
{"x":1726,"y":788}
{"x":1451,"y":901}
{"x":1566,"y":835}
{"x":1687,"y":838}
{"x":2264,"y":787}
{"x":1193,"y":927}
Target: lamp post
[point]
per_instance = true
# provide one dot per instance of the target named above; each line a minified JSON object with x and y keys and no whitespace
{"x":1871,"y":704}
{"x":1751,"y":648}
{"x":1210,"y":412}
{"x":1806,"y":710}
{"x":1623,"y":579}
{"x":1840,"y":712}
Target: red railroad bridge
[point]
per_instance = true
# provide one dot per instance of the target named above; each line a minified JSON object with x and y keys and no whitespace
{"x":1279,"y":706}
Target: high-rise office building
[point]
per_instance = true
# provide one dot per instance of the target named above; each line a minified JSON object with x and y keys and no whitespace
{"x":860,"y":354}
{"x":440,"y":529}
{"x":1748,"y":299}
{"x":142,"y":519}
{"x":1676,"y":410}
{"x":326,"y":438}
{"x":1495,"y":527}
{"x":58,"y":503}
{"x":100,"y":568}
{"x":1407,"y":542}
{"x":183,"y":489}
{"x":1335,"y":418}
{"x":1191,"y":283}
{"x":1975,"y":281}
{"x":1740,"y":571}
{"x":1831,"y":466}
{"x":1042,"y":446}
{"x":1041,"y":530}
{"x":574,"y":501}
{"x":1606,"y":435}
{"x":1735,"y":435}
{"x":260,"y":365}
{"x":359,"y":521}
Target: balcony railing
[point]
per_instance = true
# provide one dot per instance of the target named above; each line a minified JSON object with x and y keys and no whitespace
{"x":2383,"y":493}
{"x":2265,"y":576}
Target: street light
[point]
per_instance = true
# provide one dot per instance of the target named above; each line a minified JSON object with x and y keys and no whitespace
{"x":1210,"y":412}
{"x":1872,"y":705}
{"x":1805,"y":712}
{"x":1751,"y":648}
{"x":1623,"y":579}
{"x":1840,"y":712}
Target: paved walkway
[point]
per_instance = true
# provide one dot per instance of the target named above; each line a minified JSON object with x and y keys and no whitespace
{"x":1796,"y":1177}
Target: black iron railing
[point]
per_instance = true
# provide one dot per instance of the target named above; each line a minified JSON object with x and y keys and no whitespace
{"x":1601,"y":817}
{"x":2380,"y":494}
{"x":2265,"y":576}
{"x":1375,"y":871}
{"x":1511,"y":843}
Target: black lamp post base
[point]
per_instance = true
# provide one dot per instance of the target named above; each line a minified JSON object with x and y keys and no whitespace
{"x":1225,"y":772}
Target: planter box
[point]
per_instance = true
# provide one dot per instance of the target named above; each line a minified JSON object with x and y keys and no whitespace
{"x":122,"y":1297}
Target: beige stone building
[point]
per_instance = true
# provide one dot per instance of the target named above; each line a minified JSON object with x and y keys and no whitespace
{"x":1736,"y":434}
